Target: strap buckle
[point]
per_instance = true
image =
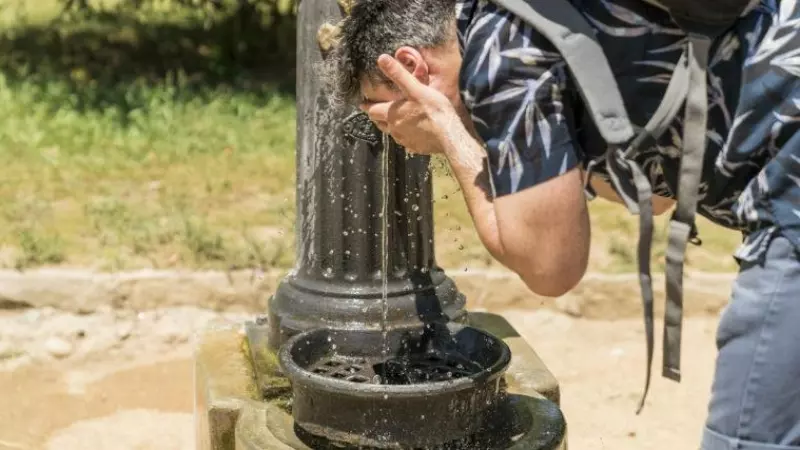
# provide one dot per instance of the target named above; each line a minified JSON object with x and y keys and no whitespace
{"x":694,"y":234}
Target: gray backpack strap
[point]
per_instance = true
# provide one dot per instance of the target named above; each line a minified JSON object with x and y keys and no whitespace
{"x":647,"y":137}
{"x":656,"y":126}
{"x":670,"y":105}
{"x":691,"y":171}
{"x":574,"y":38}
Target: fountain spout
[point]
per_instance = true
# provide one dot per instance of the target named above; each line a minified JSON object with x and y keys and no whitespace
{"x":337,"y":282}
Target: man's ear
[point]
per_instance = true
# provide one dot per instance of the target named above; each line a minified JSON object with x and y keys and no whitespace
{"x":413,"y":61}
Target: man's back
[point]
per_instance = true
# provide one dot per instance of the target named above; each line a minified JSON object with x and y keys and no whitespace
{"x":511,"y":71}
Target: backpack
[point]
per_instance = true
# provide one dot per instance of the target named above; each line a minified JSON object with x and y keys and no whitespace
{"x":568,"y":30}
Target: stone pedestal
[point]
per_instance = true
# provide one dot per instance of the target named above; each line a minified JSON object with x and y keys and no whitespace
{"x":233,"y":376}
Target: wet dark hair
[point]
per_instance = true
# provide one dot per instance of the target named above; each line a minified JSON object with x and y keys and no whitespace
{"x":376,"y":27}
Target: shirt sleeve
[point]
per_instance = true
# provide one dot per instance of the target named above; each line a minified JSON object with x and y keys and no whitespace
{"x":514,"y":84}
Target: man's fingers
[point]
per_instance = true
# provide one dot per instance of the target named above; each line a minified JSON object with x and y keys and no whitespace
{"x":383,"y":126}
{"x":395,"y":110}
{"x":401,"y":77}
{"x":378,"y":112}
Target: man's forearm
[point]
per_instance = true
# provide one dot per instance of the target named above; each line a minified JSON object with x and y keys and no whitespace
{"x":541,"y":233}
{"x":467,"y":159}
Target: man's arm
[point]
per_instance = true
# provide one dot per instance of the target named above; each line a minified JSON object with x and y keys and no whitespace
{"x":542,"y":233}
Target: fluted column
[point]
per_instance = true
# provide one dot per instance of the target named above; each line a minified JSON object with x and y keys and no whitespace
{"x":342,"y":202}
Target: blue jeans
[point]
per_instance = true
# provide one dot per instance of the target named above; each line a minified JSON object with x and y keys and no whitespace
{"x":755,"y":398}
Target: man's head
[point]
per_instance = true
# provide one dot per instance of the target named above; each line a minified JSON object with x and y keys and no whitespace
{"x":421,"y":34}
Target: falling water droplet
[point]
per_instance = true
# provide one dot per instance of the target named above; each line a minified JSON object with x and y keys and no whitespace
{"x":333,"y":347}
{"x":386,"y":396}
{"x":415,"y":207}
{"x":344,"y":233}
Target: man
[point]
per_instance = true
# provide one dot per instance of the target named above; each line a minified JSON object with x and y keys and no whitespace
{"x":475,"y":82}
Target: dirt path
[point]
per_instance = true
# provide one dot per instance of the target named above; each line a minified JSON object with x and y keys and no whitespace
{"x":125,"y":399}
{"x":600,"y":367}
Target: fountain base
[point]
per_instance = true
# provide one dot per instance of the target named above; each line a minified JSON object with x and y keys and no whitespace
{"x":522,"y":423}
{"x":405,"y":389}
{"x":242,"y":405}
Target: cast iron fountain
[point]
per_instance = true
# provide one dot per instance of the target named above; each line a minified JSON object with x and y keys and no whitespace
{"x":367,"y":343}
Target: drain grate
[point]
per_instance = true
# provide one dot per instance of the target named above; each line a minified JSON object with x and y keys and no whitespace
{"x":343,"y":368}
{"x":426,"y":368}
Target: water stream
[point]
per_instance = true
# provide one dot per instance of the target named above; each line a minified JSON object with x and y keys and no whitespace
{"x":385,"y":246}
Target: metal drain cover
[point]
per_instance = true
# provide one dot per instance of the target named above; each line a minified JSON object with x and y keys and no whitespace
{"x":423,"y":368}
{"x":438,"y":384}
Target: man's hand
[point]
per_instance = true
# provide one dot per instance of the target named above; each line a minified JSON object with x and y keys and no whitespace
{"x":417,"y":121}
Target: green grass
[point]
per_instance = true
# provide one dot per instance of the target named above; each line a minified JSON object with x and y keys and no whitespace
{"x":139,"y":140}
{"x":154,"y":139}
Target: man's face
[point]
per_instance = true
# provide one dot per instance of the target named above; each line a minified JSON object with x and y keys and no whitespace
{"x":437,"y":68}
{"x":375,"y":91}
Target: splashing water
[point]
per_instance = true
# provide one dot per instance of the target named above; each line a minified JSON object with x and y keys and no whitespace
{"x":385,"y":247}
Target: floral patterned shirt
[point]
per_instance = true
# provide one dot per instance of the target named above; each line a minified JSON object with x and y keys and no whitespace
{"x":528,"y":111}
